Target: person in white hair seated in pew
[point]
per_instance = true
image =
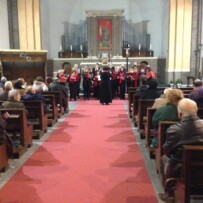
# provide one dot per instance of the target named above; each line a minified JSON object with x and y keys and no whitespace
{"x":189,"y":131}
{"x":7,"y":87}
{"x":162,"y":101}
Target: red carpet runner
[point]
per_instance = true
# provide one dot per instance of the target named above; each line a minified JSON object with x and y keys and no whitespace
{"x":92,"y":157}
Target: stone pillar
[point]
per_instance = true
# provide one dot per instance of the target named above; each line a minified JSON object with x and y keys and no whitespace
{"x":29,"y":24}
{"x":179,"y":50}
{"x":196,"y":44}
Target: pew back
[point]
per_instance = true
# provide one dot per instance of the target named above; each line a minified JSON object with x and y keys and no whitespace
{"x":58,"y":100}
{"x":191,"y":181}
{"x":37,"y":116}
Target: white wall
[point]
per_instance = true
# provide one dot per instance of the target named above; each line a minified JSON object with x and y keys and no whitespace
{"x":56,"y":13}
{"x":155,"y":12}
{"x":4,"y":33}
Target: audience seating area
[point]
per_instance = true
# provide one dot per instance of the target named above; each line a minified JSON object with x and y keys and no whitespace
{"x":190,"y":184}
{"x":24,"y":125}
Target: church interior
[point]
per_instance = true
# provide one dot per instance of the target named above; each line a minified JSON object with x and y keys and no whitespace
{"x":76,"y":143}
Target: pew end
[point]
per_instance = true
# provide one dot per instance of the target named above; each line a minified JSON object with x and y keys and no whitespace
{"x":190,"y":184}
{"x":3,"y":158}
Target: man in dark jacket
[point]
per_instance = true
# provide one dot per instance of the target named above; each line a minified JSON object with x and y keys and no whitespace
{"x":56,"y":86}
{"x":188,"y":132}
{"x":152,"y":92}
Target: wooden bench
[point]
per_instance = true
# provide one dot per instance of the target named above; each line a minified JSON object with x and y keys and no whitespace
{"x":190,"y":184}
{"x":163,"y":125}
{"x":135,"y":108}
{"x":131,"y":92}
{"x":18,"y":125}
{"x":52,"y":111}
{"x":149,"y":131}
{"x":58,"y":101}
{"x":37,"y":117}
{"x":3,"y":158}
{"x":142,"y":112}
{"x":200,"y":112}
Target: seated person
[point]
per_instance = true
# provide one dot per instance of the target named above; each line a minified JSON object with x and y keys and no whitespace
{"x":39,"y":81}
{"x":142,"y":87}
{"x":57,"y":86}
{"x":30,"y":94}
{"x":2,"y":83}
{"x":197,"y":92}
{"x":166,"y":113}
{"x":7,"y":87}
{"x":13,"y":100}
{"x":162,"y":101}
{"x":37,"y":91}
{"x":189,"y":131}
{"x":151,"y":92}
{"x":19,"y":85}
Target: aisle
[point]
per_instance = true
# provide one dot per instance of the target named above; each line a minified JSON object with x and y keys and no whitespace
{"x":92,"y":157}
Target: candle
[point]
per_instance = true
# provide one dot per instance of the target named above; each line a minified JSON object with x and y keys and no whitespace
{"x":139,"y":46}
{"x":71,"y":48}
{"x":81,"y":47}
{"x":60,"y":48}
{"x":150,"y":46}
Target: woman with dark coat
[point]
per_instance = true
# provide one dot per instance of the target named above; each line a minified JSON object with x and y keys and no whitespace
{"x":105,"y":86}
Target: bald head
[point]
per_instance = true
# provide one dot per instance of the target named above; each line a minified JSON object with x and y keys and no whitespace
{"x":187,"y":107}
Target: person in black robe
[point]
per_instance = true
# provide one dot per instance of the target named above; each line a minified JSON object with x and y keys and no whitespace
{"x":105,"y":87}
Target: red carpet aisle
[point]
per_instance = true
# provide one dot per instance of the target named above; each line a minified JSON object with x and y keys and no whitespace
{"x":92,"y":157}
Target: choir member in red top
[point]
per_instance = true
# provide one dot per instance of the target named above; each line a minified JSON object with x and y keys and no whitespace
{"x":135,"y":78}
{"x":96,"y":84}
{"x":87,"y":83}
{"x":115,"y":82}
{"x":149,"y":73}
{"x":122,"y":76}
{"x":73,"y":84}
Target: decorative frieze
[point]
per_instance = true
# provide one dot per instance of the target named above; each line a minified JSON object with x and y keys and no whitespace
{"x":104,"y":13}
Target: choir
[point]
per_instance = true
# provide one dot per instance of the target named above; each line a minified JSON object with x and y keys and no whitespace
{"x":120,"y":79}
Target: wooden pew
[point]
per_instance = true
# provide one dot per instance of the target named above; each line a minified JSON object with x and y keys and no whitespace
{"x":200,"y":112}
{"x":131,"y":92}
{"x":37,"y":117}
{"x":3,"y":158}
{"x":17,"y":124}
{"x":163,"y":125}
{"x":135,"y":108}
{"x":190,"y":183}
{"x":149,"y":132}
{"x":58,"y":101}
{"x":142,"y":112}
{"x":52,"y":111}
